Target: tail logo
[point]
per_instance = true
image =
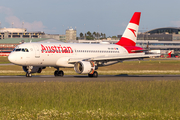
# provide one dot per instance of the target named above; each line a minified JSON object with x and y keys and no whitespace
{"x":129,"y":36}
{"x":133,"y":31}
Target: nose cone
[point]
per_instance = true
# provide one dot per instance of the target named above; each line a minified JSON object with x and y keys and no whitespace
{"x":12,"y":58}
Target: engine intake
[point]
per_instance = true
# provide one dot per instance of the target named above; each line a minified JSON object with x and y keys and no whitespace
{"x":84,"y":67}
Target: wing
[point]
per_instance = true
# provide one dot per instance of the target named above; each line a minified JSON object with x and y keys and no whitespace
{"x":114,"y":58}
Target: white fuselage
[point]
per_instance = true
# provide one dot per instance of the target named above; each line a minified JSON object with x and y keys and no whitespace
{"x":58,"y":54}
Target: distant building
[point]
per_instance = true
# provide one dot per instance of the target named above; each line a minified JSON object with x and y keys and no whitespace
{"x":62,"y":38}
{"x":54,"y":36}
{"x":18,"y":33}
{"x":115,"y":38}
{"x":161,"y":34}
{"x":6,"y":33}
{"x":70,"y":34}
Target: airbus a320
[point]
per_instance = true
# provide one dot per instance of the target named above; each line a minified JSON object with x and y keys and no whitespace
{"x":84,"y":58}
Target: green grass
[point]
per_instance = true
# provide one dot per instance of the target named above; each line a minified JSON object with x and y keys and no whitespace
{"x":4,"y":60}
{"x":91,"y":100}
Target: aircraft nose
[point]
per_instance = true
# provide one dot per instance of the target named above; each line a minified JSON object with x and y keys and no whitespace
{"x":11,"y":58}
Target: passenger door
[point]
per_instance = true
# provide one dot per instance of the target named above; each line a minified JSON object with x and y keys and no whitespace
{"x":37,"y":51}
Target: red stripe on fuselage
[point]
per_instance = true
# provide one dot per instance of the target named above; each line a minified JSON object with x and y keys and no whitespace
{"x":132,"y":48}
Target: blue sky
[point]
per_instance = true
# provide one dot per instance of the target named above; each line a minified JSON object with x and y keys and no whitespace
{"x":107,"y":16}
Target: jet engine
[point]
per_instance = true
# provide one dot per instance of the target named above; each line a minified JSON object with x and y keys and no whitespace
{"x":34,"y":69}
{"x":83,"y":67}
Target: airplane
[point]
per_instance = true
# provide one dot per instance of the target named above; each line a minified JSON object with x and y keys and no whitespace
{"x":84,"y":58}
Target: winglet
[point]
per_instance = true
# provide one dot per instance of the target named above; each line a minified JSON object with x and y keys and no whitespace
{"x":129,"y":36}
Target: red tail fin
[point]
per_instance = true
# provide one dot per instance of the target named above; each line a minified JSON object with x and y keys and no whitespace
{"x":129,"y":36}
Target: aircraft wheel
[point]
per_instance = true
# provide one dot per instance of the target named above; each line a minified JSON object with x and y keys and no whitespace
{"x":59,"y":73}
{"x":90,"y":75}
{"x":56,"y":73}
{"x":95,"y":74}
{"x":28,"y":75}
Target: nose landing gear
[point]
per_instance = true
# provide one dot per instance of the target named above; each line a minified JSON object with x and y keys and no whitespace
{"x":28,"y":73}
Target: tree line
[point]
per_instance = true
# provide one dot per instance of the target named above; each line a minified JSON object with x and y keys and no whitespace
{"x":93,"y":36}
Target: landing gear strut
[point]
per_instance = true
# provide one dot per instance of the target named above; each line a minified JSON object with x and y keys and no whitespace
{"x":28,"y":74}
{"x":58,"y":73}
{"x":95,"y":74}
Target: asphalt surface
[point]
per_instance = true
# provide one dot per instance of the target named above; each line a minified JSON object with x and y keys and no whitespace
{"x":48,"y":78}
{"x":6,"y":64}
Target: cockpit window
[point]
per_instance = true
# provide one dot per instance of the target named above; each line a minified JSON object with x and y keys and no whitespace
{"x":26,"y":50}
{"x":21,"y":49}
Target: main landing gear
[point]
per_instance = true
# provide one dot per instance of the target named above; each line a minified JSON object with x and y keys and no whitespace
{"x":58,"y":73}
{"x":95,"y":74}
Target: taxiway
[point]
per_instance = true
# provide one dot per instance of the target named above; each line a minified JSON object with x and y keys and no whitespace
{"x":70,"y":78}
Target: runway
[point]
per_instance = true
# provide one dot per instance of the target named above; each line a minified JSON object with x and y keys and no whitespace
{"x":101,"y":78}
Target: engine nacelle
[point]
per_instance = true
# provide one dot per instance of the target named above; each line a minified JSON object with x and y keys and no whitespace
{"x":84,"y":67}
{"x":34,"y":69}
